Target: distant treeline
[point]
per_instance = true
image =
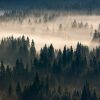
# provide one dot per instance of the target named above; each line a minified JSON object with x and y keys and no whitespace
{"x":67,"y":5}
{"x":38,"y":74}
{"x":96,"y":37}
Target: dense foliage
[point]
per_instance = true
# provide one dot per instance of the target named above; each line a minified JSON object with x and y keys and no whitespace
{"x":45,"y":75}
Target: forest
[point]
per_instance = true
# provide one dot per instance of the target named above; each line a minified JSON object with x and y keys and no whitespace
{"x":49,"y":49}
{"x":50,"y":74}
{"x":65,"y":5}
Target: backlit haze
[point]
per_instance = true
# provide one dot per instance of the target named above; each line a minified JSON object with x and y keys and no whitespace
{"x":57,"y":30}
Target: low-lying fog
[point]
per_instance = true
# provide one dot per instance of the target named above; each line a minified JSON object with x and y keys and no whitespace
{"x":61,"y":30}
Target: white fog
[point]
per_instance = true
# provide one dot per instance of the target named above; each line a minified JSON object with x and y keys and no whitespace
{"x":58,"y":31}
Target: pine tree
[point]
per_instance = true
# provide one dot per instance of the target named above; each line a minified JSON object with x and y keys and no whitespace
{"x":51,"y":54}
{"x":2,"y":67}
{"x":64,"y":56}
{"x":32,"y":51}
{"x":86,"y":95}
{"x":18,"y":89}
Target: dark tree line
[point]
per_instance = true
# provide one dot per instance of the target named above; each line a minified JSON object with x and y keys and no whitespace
{"x":22,"y":57}
{"x":43,"y":75}
{"x":67,"y":5}
{"x":40,"y":90}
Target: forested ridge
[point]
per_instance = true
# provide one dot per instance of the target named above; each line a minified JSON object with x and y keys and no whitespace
{"x":50,"y":74}
{"x":67,"y":5}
